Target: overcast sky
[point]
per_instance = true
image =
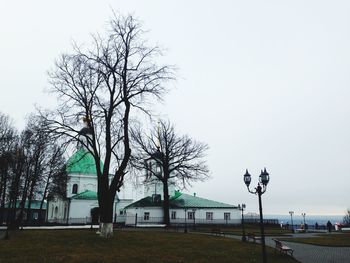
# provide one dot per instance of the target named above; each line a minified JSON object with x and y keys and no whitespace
{"x":264,"y":83}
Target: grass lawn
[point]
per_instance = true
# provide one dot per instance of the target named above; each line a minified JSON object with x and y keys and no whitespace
{"x":331,"y":240}
{"x":128,"y":246}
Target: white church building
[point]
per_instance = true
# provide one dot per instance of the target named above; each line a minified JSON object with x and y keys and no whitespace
{"x":80,"y":206}
{"x":81,"y":194}
{"x":81,"y":201}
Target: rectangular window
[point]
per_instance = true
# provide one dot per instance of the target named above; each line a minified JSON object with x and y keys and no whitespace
{"x":146,"y":216}
{"x":227,"y":216}
{"x":173,"y":214}
{"x":209,"y":215}
{"x":190,"y":215}
{"x":121,"y":212}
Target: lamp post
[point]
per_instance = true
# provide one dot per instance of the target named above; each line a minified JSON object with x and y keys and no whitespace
{"x":259,"y":190}
{"x":291,"y":219}
{"x":243,"y":230}
{"x":185,"y":221}
{"x":194,"y":219}
{"x":303,"y":215}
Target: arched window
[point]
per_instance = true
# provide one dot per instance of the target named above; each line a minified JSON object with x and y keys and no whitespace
{"x":65,"y":212}
{"x":56,"y":212}
{"x":75,"y":189}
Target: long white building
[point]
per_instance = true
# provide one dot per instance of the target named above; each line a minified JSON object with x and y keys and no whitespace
{"x":184,"y":208}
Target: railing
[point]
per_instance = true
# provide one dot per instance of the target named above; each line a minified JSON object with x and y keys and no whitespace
{"x":257,"y":221}
{"x":71,"y":221}
{"x":132,"y":220}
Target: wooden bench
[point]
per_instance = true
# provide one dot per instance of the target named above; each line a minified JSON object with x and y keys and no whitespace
{"x":253,"y":237}
{"x":217,"y":232}
{"x":283,"y":248}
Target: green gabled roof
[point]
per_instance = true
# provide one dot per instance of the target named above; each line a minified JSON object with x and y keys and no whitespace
{"x":82,"y":162}
{"x":180,"y":200}
{"x":86,"y":195}
{"x":35,"y":204}
{"x":144,"y":202}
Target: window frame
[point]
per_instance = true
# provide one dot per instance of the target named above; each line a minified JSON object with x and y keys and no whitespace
{"x":209,"y":215}
{"x":75,"y":189}
{"x":190,"y":215}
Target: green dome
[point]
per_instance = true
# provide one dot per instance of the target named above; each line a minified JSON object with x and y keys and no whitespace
{"x":82,"y":162}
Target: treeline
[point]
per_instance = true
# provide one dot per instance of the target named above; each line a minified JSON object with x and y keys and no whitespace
{"x":31,"y":166}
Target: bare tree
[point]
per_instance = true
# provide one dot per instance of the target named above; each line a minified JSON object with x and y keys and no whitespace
{"x":28,"y":170}
{"x":102,"y":85}
{"x":29,"y":164}
{"x":8,"y":141}
{"x":180,"y":158}
{"x":44,"y":162}
{"x":346,"y":219}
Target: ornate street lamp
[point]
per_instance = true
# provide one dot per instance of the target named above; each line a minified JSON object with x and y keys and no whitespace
{"x":291,"y":219}
{"x":264,"y":179}
{"x":243,"y":230}
{"x":303,"y":215}
{"x":194,"y":218}
{"x":185,"y":221}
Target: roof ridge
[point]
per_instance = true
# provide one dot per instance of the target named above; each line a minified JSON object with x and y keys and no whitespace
{"x":207,"y":199}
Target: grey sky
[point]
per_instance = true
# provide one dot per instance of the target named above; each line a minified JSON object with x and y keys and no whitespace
{"x":264,"y":83}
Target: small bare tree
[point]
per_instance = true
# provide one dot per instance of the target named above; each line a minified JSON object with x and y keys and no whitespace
{"x":102,"y":85}
{"x":8,"y":142}
{"x":180,"y":158}
{"x":346,"y":219}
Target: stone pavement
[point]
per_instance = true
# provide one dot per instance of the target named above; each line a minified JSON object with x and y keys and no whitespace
{"x":316,"y":254}
{"x":305,"y":253}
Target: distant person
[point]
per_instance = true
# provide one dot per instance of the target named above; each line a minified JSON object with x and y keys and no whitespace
{"x":316,"y":226}
{"x":329,"y":226}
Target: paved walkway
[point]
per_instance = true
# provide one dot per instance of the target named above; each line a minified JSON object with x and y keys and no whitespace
{"x":313,"y":254}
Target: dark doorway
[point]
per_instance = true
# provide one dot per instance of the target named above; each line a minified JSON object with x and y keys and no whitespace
{"x":95,"y":214}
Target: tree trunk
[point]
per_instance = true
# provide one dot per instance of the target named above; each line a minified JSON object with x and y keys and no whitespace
{"x":106,"y":230}
{"x":166,"y":203}
{"x":24,"y":197}
{"x":106,"y":214}
{"x":30,"y":199}
{"x":41,"y":218}
{"x":3,"y":196}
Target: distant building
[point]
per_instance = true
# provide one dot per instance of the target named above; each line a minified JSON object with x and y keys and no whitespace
{"x":32,"y":214}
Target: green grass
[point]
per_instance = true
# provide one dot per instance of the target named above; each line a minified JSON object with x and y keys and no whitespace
{"x":331,"y":240}
{"x":128,"y":246}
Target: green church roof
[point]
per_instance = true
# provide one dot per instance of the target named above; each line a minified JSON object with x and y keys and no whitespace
{"x":181,"y":200}
{"x":82,"y":162}
{"x":86,"y":195}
